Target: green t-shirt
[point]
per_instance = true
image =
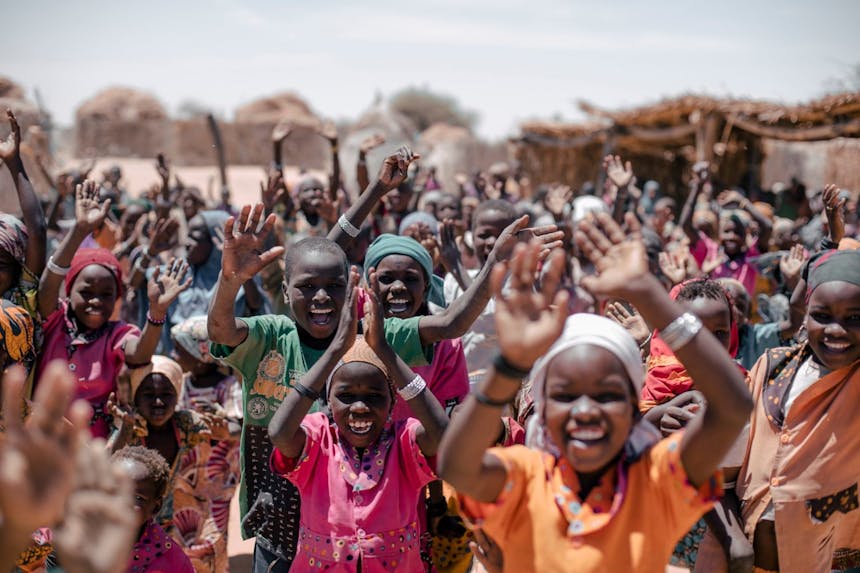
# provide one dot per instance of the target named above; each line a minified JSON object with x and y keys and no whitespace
{"x":271,"y":360}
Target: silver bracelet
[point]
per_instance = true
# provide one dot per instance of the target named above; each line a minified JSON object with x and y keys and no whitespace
{"x":681,"y":331}
{"x":348,"y":227}
{"x":57,"y":269}
{"x":413,"y":388}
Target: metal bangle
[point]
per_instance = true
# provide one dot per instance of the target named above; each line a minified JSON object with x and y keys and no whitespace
{"x":681,"y":331}
{"x":411,"y":390}
{"x":57,"y":269}
{"x":348,"y":227}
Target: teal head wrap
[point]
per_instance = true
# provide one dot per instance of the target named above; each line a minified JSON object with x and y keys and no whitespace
{"x":387,"y":244}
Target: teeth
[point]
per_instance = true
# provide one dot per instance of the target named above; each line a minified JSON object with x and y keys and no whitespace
{"x":318,"y":311}
{"x":360,"y":427}
{"x":837,"y":346}
{"x":587,"y":434}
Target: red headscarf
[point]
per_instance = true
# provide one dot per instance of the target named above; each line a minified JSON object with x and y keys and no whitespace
{"x":87,"y":257}
{"x":666,"y":376}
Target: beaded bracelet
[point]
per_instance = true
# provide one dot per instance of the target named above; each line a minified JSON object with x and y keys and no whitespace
{"x":154,"y":321}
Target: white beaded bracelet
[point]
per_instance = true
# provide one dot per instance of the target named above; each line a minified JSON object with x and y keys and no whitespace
{"x":413,"y":388}
{"x":681,"y":331}
{"x":348,"y":227}
{"x":57,"y":269}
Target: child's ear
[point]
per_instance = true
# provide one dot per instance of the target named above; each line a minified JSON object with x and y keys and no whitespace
{"x":284,"y":288}
{"x":157,"y":508}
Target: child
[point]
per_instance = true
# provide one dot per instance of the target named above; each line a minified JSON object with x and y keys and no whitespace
{"x":79,"y":329}
{"x":361,"y":477}
{"x":601,"y":495}
{"x":271,"y":352}
{"x":798,"y":482}
{"x":209,"y":474}
{"x":154,"y":551}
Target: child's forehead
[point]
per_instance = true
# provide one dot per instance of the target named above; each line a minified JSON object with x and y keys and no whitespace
{"x":493,"y":217}
{"x":359,"y":374}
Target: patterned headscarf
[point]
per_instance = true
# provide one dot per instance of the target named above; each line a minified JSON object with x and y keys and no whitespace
{"x":16,"y":331}
{"x":160,"y":365}
{"x":832,"y":266}
{"x":360,"y":352}
{"x":13,"y":237}
{"x":193,"y":337}
{"x":101,"y":257}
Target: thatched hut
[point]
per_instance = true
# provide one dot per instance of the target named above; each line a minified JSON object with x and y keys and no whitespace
{"x":664,"y":139}
{"x":123,"y":122}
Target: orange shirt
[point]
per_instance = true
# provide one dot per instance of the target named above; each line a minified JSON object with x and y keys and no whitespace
{"x":627,"y":523}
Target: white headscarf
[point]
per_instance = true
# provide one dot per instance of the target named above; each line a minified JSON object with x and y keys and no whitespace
{"x":599,"y":331}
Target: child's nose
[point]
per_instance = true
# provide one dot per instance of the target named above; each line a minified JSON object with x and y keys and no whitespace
{"x":584,"y":406}
{"x":359,"y":406}
{"x":321,"y":295}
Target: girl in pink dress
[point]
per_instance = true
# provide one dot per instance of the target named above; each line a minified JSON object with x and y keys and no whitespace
{"x":360,"y":477}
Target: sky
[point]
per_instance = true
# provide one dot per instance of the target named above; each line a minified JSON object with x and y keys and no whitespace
{"x":507,"y":60}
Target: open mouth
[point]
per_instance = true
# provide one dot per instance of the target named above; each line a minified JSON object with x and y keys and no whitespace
{"x":321,"y":317}
{"x":586,"y":436}
{"x":360,"y":427}
{"x":398,"y":305}
{"x":836,"y":346}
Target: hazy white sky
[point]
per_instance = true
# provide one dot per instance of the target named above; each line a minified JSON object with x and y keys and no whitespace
{"x":508,"y":60}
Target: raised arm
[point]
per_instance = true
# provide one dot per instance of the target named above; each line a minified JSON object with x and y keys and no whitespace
{"x":279,"y":134}
{"x":89,"y":215}
{"x":162,"y":290}
{"x":244,"y":255}
{"x":701,"y":174}
{"x":623,"y":269}
{"x":329,"y":132}
{"x":790,"y":266}
{"x":392,"y":173}
{"x":465,"y":310}
{"x":285,"y":428}
{"x":31,"y":207}
{"x":449,"y":251}
{"x":833,"y":206}
{"x":621,"y":176}
{"x":424,"y":404}
{"x":364,"y":148}
{"x":528,"y":322}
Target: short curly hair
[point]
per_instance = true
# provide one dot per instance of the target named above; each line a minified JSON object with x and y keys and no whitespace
{"x":156,"y":466}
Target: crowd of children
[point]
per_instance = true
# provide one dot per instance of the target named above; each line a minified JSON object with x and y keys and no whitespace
{"x":411,"y":378}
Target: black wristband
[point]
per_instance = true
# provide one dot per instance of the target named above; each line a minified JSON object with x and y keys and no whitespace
{"x":828,"y":244}
{"x":482,"y":398}
{"x":306,"y":392}
{"x":436,"y":508}
{"x":505,"y":368}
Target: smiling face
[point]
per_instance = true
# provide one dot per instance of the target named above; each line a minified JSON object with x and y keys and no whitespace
{"x":198,"y":245}
{"x":93,"y":296}
{"x":315,"y":291}
{"x":488,"y":226}
{"x":402,"y":284}
{"x":360,"y":400}
{"x":833,"y":324}
{"x":398,"y":199}
{"x":10,"y":271}
{"x":715,"y":315}
{"x":155,"y":400}
{"x":589,"y":406}
{"x":147,"y":501}
{"x":732,"y":237}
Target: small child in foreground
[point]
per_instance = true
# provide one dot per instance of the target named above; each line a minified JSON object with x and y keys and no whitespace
{"x":154,"y":551}
{"x":603,"y":493}
{"x":361,"y":477}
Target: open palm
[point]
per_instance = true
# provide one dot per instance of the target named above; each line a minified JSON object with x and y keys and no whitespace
{"x":620,"y":261}
{"x":10,"y":147}
{"x":244,"y":252}
{"x":90,"y":213}
{"x":164,"y":287}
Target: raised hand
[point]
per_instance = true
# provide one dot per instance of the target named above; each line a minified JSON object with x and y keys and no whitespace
{"x":281,"y":131}
{"x":449,"y":250}
{"x":347,"y":328}
{"x":631,"y":321}
{"x":123,"y":416}
{"x":395,"y":168}
{"x":620,"y":261}
{"x":548,"y":236}
{"x":90,"y":213}
{"x":620,"y":173}
{"x":833,"y":207}
{"x":701,"y":172}
{"x":10,"y":148}
{"x":275,"y":191}
{"x":674,"y":266}
{"x":163,"y":169}
{"x":374,"y":323}
{"x":529,"y":321}
{"x":556,"y":198}
{"x":713,"y":261}
{"x":243,"y":247}
{"x":328,"y":130}
{"x":100,"y":525}
{"x":791,"y":263}
{"x":38,"y":460}
{"x":163,"y":235}
{"x":164,"y":287}
{"x":371,"y":143}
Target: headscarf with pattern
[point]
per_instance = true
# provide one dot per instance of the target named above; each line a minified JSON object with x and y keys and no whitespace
{"x":16,"y":331}
{"x":13,"y":237}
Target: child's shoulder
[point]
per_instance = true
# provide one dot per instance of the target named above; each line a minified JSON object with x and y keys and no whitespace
{"x":270,"y":324}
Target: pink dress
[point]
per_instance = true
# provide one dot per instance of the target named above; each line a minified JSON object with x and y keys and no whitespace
{"x":357,"y":508}
{"x":157,"y":552}
{"x":94,"y":357}
{"x":740,"y":269}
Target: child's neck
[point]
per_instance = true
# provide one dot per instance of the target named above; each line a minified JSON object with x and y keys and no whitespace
{"x":315,"y":343}
{"x":588,"y":481}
